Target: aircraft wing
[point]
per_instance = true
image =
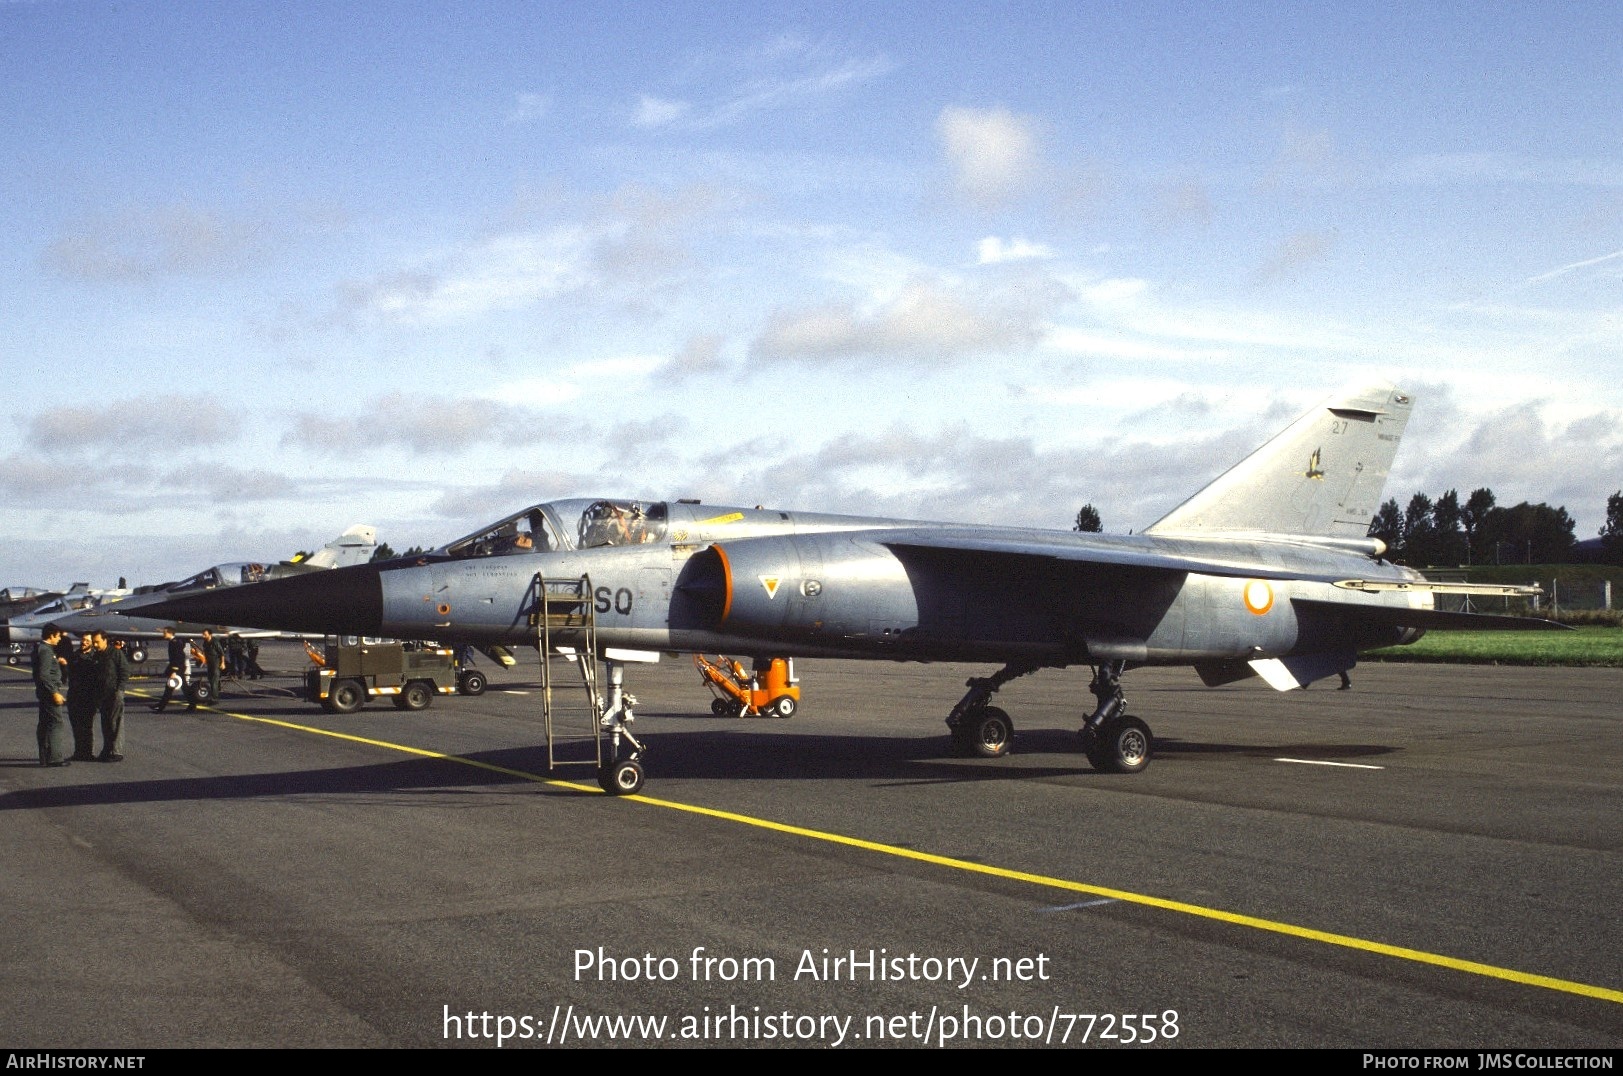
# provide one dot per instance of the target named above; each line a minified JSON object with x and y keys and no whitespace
{"x":1113,"y":551}
{"x":1438,"y":619}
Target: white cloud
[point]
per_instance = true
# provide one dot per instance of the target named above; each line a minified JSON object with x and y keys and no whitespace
{"x":781,"y":73}
{"x":137,"y":422}
{"x":702,"y":354}
{"x":1115,"y":290}
{"x":427,"y":425}
{"x":1565,"y":269}
{"x":627,"y":249}
{"x":658,"y":112}
{"x":925,"y":321}
{"x":993,"y":152}
{"x":1085,"y":343}
{"x":144,"y":242}
{"x":1296,"y":251}
{"x":995,"y":251}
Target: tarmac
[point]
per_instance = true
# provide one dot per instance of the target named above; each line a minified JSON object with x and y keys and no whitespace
{"x":1429,"y":860}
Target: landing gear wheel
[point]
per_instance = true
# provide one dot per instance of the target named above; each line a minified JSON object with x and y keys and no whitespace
{"x":347,"y":696}
{"x":623,"y":778}
{"x":138,"y":654}
{"x":472,"y":683}
{"x":1123,"y":746}
{"x":722,"y":707}
{"x":985,"y":734}
{"x":783,"y":706}
{"x":414,"y":696}
{"x":199,"y":693}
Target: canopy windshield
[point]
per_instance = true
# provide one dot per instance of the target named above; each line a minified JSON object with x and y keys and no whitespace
{"x":529,"y":531}
{"x":599,"y":523}
{"x":223,"y":575}
{"x":581,"y":523}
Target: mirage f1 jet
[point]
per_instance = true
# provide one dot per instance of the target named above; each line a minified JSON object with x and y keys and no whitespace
{"x":1269,"y":570}
{"x":355,"y":546}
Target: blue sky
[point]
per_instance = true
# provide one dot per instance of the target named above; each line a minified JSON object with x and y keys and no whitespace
{"x":271,"y":270}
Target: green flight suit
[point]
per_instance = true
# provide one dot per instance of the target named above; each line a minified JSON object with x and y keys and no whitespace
{"x":115,"y":673}
{"x":50,"y":685}
{"x":214,"y":662}
{"x":84,"y":697}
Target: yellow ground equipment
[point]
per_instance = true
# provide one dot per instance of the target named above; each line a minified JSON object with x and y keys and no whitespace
{"x":771,"y":690}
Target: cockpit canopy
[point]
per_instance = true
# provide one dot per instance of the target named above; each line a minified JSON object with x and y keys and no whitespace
{"x":223,"y":575}
{"x":573,"y":524}
{"x":604,"y":523}
{"x":19,"y":594}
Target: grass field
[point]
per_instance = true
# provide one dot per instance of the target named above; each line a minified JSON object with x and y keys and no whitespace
{"x":1584,"y":646}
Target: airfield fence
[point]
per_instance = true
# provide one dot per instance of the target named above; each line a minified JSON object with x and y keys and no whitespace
{"x":1562,"y":594}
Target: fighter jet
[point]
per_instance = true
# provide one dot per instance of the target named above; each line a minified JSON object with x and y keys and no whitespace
{"x":16,"y":601}
{"x":353,"y":547}
{"x":1269,"y":570}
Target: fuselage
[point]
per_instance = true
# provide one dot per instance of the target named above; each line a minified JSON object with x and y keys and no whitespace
{"x":691,"y":578}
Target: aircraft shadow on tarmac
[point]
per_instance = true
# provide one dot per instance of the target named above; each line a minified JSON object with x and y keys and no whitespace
{"x":731,"y":755}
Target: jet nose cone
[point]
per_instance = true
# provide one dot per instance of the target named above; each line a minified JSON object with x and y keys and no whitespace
{"x":340,"y":601}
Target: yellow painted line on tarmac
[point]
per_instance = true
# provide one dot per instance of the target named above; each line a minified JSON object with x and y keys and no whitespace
{"x":523,"y":775}
{"x":1344,"y":941}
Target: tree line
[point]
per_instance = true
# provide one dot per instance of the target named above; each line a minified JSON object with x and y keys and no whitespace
{"x":1475,"y":531}
{"x":1480,"y":531}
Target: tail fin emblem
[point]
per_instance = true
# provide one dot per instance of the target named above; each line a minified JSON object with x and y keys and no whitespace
{"x":1313,"y":468}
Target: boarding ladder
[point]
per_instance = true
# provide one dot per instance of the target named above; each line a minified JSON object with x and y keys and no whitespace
{"x":566,"y":637}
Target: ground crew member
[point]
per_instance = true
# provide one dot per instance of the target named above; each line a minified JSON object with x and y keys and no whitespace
{"x":214,"y":662}
{"x":175,"y":669}
{"x":84,"y":697}
{"x":50,"y":688}
{"x":115,"y":673}
{"x":251,"y":655}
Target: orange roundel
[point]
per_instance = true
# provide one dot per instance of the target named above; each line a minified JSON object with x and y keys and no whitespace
{"x":443,"y":609}
{"x":1259,"y":596}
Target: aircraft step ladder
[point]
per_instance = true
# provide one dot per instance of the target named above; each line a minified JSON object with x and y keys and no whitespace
{"x":566,"y":635}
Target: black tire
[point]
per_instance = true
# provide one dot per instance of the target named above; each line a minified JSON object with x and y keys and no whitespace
{"x":988,"y":733}
{"x":415,"y":696}
{"x":623,"y":778}
{"x":722,"y":707}
{"x":784,"y":706}
{"x":347,"y":696}
{"x":472,"y":682}
{"x":199,"y":693}
{"x":1124,"y":746}
{"x":138,"y":654}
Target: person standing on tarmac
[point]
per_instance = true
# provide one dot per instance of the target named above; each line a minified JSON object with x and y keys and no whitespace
{"x":175,"y":669}
{"x":251,"y":656}
{"x":84,"y":696}
{"x":214,"y":662}
{"x":114,"y":668}
{"x":50,"y":689}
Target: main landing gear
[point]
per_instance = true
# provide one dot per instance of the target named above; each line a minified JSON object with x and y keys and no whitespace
{"x":1113,"y":740}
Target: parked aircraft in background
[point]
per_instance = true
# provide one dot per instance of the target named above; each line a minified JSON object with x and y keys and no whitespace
{"x":353,"y":547}
{"x":1268,"y":570}
{"x":16,"y":601}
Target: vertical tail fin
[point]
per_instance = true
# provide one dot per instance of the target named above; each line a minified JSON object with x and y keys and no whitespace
{"x":1322,"y":476}
{"x":354,"y":546}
